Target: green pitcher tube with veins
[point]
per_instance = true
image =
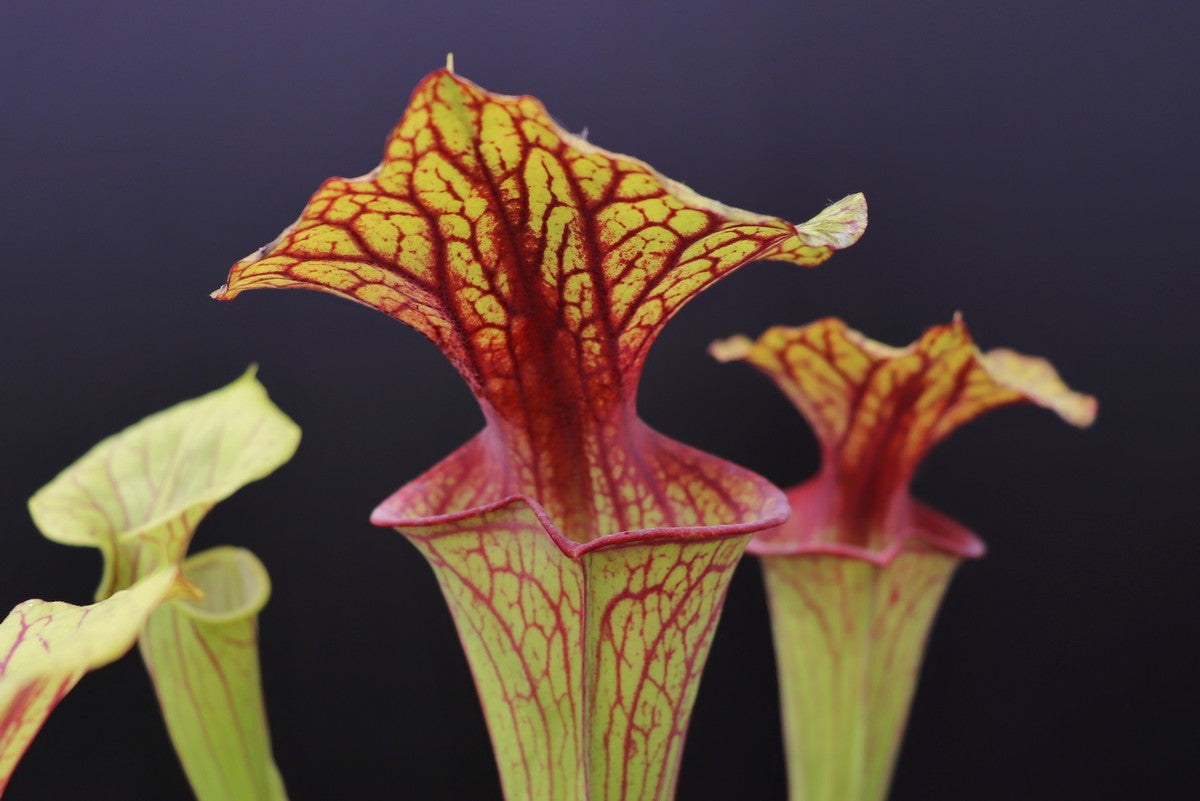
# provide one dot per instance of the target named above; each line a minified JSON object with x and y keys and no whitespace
{"x":584,"y":556}
{"x":138,"y":497}
{"x":855,"y":577}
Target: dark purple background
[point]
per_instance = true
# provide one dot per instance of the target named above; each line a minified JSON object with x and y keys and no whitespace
{"x":1033,"y":164}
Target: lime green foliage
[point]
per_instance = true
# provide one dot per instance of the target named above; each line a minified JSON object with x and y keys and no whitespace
{"x":138,"y":497}
{"x":47,"y":646}
{"x":849,"y":664}
{"x":203,"y":656}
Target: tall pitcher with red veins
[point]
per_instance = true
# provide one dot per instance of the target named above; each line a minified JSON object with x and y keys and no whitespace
{"x":856,"y":575}
{"x":584,"y":556}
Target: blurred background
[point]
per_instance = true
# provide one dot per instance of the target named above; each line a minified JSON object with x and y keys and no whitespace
{"x":1031,"y":164}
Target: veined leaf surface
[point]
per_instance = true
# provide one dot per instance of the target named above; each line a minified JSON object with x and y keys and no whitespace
{"x":584,"y":556}
{"x":855,"y":577}
{"x":47,"y":646}
{"x":138,"y":497}
{"x":202,"y":656}
{"x":543,"y":267}
{"x":877,"y":410}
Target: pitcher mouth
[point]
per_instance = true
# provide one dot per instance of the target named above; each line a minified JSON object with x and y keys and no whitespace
{"x":922,"y":528}
{"x":767,"y":509}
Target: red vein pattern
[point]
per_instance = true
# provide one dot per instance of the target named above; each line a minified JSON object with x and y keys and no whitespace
{"x":855,"y":577}
{"x":587,"y":656}
{"x":877,"y":411}
{"x":584,"y":556}
{"x":849,"y":637}
{"x":543,"y":267}
{"x":587,"y":667}
{"x":138,"y":497}
{"x":203,"y":659}
{"x":47,"y":646}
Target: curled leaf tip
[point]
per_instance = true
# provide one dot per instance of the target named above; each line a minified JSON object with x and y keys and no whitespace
{"x":840,"y":225}
{"x":734,"y":348}
{"x":138,"y":495}
{"x":1037,"y":380}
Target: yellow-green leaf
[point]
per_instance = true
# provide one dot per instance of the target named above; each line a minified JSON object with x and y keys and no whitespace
{"x":138,"y":495}
{"x":848,"y":664}
{"x":203,"y":658}
{"x":588,"y":664}
{"x":47,"y":646}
